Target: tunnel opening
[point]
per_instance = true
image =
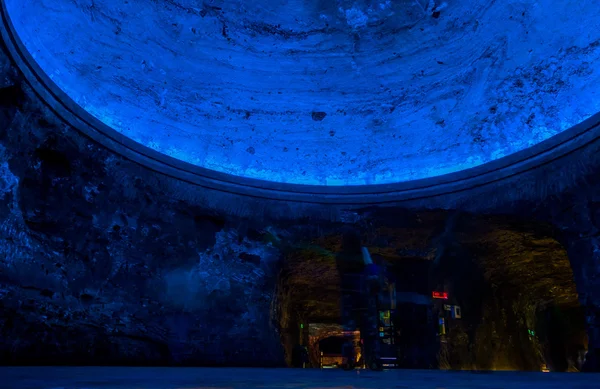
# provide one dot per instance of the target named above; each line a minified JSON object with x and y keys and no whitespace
{"x":332,"y":345}
{"x":459,"y":292}
{"x":331,"y":350}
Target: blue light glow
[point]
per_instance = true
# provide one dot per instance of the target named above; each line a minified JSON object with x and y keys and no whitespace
{"x":232,"y":86}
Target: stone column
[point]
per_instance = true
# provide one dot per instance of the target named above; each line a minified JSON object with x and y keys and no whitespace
{"x":579,"y":221}
{"x":584,"y":254}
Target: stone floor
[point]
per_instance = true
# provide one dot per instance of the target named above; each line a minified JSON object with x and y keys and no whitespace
{"x":201,"y":378}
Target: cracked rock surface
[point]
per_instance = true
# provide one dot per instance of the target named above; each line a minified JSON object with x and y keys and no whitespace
{"x":105,"y":262}
{"x":324,"y":92}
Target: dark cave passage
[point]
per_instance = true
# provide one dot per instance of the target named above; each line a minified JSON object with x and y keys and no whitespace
{"x":332,"y":345}
{"x":511,"y":299}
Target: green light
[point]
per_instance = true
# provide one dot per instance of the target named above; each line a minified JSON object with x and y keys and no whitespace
{"x":301,"y":325}
{"x":531,"y":332}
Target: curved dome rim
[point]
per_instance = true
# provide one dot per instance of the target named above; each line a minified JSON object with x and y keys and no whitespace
{"x":500,"y":169}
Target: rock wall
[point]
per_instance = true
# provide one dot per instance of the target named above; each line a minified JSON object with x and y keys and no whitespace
{"x":100,"y":264}
{"x":506,"y":274}
{"x":338,"y":92}
{"x":579,"y":222}
{"x":105,"y":262}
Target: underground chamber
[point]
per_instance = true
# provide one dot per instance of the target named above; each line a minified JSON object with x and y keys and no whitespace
{"x":341,"y":103}
{"x":472,"y":293}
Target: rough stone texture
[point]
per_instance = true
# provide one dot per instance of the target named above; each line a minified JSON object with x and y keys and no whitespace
{"x":99,"y":265}
{"x":318,"y":332}
{"x":505,"y":273}
{"x":579,"y":223}
{"x":7,"y":71}
{"x":324,"y":92}
{"x":103,"y":261}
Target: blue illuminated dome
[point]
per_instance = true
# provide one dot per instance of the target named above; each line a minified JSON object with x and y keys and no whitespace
{"x":323,"y":92}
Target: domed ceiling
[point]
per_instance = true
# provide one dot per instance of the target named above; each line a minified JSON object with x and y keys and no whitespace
{"x":323,"y":92}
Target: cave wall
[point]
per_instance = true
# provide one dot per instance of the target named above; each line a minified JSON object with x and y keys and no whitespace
{"x":101,"y":264}
{"x":507,"y":274}
{"x":103,"y":261}
{"x":577,"y":216}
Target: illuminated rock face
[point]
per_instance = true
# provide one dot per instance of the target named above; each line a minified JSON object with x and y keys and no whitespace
{"x":323,"y":92}
{"x":103,"y":261}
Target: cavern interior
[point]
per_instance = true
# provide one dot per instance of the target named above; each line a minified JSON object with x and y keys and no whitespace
{"x":283,"y":193}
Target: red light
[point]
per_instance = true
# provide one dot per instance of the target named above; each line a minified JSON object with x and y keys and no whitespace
{"x":440,"y":295}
